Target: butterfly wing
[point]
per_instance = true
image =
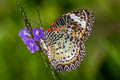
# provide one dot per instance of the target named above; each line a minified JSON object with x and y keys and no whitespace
{"x":77,"y":23}
{"x":64,"y":40}
{"x":65,"y":52}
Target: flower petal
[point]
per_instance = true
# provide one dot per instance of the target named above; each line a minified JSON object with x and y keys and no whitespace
{"x":24,"y":33}
{"x":31,"y":45}
{"x":38,"y":34}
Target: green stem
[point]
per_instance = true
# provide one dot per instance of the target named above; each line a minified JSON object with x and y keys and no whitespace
{"x":43,"y":57}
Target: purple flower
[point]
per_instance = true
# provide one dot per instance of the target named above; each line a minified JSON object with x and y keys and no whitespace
{"x":38,"y":34}
{"x":24,"y":33}
{"x":31,"y":45}
{"x":26,"y":37}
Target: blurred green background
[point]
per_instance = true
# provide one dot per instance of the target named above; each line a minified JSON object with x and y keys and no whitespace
{"x":102,"y":61}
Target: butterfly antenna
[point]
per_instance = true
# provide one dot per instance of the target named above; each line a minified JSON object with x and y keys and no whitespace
{"x":26,"y":22}
{"x":39,"y":17}
{"x":40,"y":20}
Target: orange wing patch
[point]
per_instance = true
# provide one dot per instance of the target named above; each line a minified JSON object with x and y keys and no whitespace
{"x":54,"y":29}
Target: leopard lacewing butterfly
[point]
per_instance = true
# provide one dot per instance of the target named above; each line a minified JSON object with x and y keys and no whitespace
{"x":64,"y":40}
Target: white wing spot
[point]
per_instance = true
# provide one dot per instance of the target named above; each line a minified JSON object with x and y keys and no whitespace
{"x":79,"y":20}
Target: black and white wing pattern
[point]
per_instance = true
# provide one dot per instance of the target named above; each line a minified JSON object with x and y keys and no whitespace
{"x":77,"y":23}
{"x":64,"y":40}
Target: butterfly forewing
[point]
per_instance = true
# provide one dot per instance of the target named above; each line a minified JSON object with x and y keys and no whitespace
{"x":76,"y":23}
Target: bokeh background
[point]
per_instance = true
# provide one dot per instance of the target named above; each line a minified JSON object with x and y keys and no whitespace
{"x":102,"y":60}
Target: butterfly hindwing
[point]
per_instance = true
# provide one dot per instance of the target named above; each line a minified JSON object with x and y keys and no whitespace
{"x":64,"y":51}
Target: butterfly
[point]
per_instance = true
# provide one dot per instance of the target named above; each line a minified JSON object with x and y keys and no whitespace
{"x":64,"y":40}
